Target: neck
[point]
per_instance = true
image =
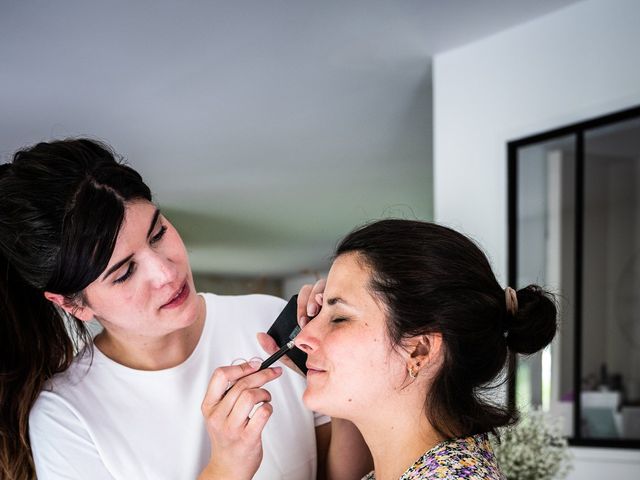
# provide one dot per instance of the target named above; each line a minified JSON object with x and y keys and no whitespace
{"x":397,"y":438}
{"x":152,"y":353}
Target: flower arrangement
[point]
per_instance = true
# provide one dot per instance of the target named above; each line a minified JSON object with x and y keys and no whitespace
{"x":533,"y":449}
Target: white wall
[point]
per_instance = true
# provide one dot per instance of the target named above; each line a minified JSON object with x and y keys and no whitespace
{"x":292,"y":284}
{"x":577,"y":63}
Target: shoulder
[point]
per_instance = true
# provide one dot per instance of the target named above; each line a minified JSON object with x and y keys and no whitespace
{"x":80,"y":391}
{"x":254,"y":310}
{"x":71,"y":379}
{"x":53,"y":422}
{"x":50,"y":409}
{"x":459,"y":459}
{"x":256,"y":300}
{"x":61,"y":440}
{"x":56,"y":399}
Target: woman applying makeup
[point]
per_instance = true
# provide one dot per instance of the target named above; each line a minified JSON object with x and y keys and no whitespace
{"x":413,"y":331}
{"x":149,"y":397}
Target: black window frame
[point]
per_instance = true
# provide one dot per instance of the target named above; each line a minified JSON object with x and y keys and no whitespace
{"x":577,"y":130}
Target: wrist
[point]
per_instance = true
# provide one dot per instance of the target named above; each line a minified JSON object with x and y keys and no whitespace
{"x":214,"y":472}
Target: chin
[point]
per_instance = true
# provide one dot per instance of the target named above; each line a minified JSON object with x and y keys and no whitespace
{"x":310,"y":401}
{"x":322,"y":403}
{"x":193,"y":310}
{"x":189,"y":313}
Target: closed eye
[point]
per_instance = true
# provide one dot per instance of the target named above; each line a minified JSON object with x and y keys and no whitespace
{"x":338,"y":320}
{"x":158,"y":236}
{"x":130,"y":269}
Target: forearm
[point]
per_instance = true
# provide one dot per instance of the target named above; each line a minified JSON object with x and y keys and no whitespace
{"x":348,"y":457}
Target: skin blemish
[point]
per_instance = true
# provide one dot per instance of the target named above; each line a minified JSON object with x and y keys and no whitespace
{"x":350,"y":399}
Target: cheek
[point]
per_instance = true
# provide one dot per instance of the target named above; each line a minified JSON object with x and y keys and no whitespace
{"x":132,"y":297}
{"x":361,"y":360}
{"x":175,"y":242}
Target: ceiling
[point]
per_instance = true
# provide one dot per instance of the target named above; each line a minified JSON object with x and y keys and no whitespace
{"x":266,"y":129}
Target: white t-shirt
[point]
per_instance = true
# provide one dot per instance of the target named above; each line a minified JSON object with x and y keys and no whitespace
{"x":103,"y":420}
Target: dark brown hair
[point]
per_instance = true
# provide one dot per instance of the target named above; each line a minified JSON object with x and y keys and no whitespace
{"x":435,"y":280}
{"x":61,"y":207}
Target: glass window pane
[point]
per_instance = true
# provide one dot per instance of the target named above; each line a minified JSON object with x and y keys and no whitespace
{"x":610,"y":397}
{"x":545,"y":256}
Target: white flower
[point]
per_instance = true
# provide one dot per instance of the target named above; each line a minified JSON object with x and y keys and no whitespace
{"x":533,"y":449}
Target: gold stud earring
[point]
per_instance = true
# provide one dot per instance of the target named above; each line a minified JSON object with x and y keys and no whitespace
{"x":412,"y":374}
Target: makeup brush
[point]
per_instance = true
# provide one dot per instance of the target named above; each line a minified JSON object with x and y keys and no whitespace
{"x":283,"y":350}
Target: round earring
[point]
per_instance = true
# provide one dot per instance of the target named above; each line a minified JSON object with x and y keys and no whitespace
{"x":412,"y":374}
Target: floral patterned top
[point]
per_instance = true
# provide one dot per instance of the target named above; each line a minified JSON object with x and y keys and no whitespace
{"x":469,"y":458}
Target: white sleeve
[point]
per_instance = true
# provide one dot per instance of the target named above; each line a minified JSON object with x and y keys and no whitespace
{"x":60,"y":443}
{"x":320,"y":419}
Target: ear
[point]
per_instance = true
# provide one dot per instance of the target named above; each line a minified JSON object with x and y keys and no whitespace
{"x":82,"y":313}
{"x":424,"y":350}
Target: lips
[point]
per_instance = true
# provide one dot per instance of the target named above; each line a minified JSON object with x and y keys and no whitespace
{"x":178,"y":297}
{"x":314,"y":369}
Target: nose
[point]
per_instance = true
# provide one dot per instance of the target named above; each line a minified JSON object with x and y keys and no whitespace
{"x":308,"y":339}
{"x":161,"y":270}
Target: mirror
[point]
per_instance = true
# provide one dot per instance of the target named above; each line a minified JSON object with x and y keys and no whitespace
{"x":575,"y":209}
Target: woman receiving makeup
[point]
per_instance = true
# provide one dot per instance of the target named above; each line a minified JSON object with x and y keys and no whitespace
{"x":151,"y":396}
{"x":413,"y":331}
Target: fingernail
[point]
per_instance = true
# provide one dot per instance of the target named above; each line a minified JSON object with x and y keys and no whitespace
{"x":255,"y":363}
{"x":312,"y":310}
{"x":278,"y":370}
{"x":319,"y":298}
{"x":302,"y":321}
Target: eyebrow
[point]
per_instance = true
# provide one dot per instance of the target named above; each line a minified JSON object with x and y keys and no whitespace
{"x":117,"y":265}
{"x":153,"y":221}
{"x":334,"y":300}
